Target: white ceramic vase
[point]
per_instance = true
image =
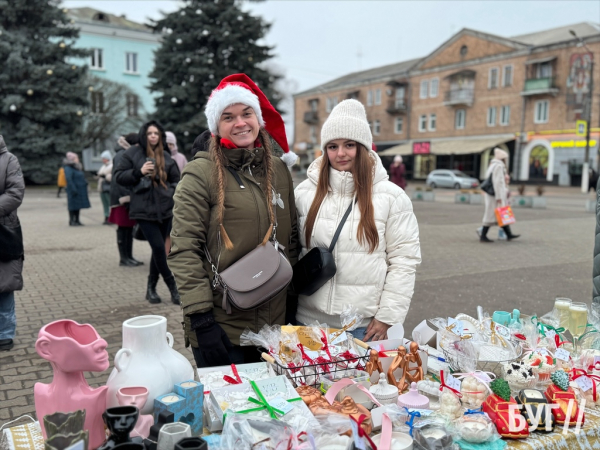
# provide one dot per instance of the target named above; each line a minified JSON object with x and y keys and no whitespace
{"x":147,"y":359}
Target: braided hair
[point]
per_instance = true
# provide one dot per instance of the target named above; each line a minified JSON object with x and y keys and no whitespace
{"x":266,"y":170}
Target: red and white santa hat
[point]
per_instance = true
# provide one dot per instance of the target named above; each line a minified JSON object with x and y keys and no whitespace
{"x":239,"y":88}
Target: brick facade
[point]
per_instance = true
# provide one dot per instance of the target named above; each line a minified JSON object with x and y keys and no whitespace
{"x":462,"y":68}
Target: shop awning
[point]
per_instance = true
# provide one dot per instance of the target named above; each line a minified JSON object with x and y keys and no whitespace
{"x":540,"y":60}
{"x":450,"y":146}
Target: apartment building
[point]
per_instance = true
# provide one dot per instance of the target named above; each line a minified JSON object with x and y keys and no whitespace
{"x":473,"y":93}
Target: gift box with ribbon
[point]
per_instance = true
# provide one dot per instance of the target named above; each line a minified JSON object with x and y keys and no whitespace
{"x":272,"y":397}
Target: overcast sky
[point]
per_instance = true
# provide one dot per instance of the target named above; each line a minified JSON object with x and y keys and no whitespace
{"x":316,"y":41}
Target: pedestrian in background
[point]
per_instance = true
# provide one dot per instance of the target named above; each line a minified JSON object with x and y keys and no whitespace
{"x":148,"y":169}
{"x":77,"y":185}
{"x":398,"y":170}
{"x":240,"y":171}
{"x":378,"y":249}
{"x":104,"y":177}
{"x":201,"y":143}
{"x":12,"y":189}
{"x":120,"y":196}
{"x":178,"y":157}
{"x":498,"y":171}
{"x":61,"y":181}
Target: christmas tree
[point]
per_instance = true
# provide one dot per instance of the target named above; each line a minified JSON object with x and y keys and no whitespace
{"x":43,"y":97}
{"x":203,"y":42}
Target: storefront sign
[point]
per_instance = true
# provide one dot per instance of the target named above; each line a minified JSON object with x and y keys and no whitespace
{"x":581,"y":128}
{"x":421,"y":148}
{"x":571,"y":143}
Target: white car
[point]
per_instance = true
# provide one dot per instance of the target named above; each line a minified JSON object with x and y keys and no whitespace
{"x":451,"y":179}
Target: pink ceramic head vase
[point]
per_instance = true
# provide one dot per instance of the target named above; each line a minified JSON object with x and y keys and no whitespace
{"x":71,"y":349}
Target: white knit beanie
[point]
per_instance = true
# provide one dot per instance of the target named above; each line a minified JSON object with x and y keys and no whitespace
{"x":348,"y":120}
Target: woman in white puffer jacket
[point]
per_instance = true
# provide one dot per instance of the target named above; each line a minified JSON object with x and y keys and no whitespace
{"x":378,"y":249}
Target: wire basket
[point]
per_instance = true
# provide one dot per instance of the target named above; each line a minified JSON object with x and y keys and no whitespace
{"x":462,"y":363}
{"x":309,"y":375}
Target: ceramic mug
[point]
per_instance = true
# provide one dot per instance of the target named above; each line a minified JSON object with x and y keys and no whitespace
{"x":501,"y":317}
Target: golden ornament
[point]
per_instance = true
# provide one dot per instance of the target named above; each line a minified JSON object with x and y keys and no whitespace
{"x":29,"y":91}
{"x":49,"y":72}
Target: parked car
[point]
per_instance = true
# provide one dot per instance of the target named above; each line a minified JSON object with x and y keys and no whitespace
{"x":451,"y":179}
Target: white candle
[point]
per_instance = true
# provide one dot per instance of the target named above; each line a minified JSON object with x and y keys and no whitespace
{"x":170,"y":399}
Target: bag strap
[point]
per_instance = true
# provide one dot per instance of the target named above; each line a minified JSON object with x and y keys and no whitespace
{"x":339,"y":229}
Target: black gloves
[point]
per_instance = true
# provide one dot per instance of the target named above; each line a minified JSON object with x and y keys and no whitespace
{"x":213,"y":343}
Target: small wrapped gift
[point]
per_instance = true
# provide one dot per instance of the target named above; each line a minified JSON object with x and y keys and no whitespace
{"x":218,"y":377}
{"x":272,"y":397}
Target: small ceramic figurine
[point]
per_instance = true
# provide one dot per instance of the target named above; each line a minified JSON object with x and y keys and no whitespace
{"x":413,"y":374}
{"x":137,"y":396}
{"x":346,"y":407}
{"x":308,"y":394}
{"x":397,"y":363}
{"x":374,"y":364}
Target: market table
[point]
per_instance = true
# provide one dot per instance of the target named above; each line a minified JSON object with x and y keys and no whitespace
{"x":29,"y":437}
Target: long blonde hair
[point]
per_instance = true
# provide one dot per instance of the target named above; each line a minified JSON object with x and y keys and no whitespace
{"x":363,"y":185}
{"x":266,"y":169}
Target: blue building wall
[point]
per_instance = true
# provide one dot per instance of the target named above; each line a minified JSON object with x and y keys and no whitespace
{"x":114,"y":59}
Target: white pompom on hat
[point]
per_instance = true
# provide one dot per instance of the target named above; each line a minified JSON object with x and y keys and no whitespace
{"x":348,"y":120}
{"x":239,"y":88}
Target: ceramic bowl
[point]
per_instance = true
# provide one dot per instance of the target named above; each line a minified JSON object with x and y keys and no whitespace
{"x":401,"y":441}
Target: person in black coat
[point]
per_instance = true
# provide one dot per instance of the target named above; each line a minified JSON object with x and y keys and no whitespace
{"x":77,"y":194}
{"x":119,"y":207}
{"x":148,"y":169}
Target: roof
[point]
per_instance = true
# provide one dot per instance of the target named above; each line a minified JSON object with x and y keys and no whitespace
{"x":364,"y":76}
{"x":92,"y":16}
{"x":540,"y":38}
{"x":560,"y":34}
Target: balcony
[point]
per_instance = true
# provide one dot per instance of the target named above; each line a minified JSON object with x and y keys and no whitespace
{"x":311,"y":117}
{"x":395,"y":106}
{"x":540,"y":86}
{"x":463,"y":96}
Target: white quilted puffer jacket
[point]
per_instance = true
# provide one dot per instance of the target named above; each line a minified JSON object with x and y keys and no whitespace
{"x":379,"y":284}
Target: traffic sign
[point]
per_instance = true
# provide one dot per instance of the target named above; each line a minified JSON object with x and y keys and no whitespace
{"x":581,"y":128}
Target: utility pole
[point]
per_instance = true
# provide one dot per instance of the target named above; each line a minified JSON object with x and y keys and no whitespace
{"x":585,"y":171}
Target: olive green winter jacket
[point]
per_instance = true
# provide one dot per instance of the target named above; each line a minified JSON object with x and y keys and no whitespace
{"x":246,"y":221}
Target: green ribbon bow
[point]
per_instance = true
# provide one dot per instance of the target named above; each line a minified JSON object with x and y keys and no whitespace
{"x":264,"y":404}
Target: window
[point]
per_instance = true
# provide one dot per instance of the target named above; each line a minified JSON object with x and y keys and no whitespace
{"x":398,"y":125}
{"x":464,"y":50}
{"x":424,"y":89}
{"x":505,"y":115}
{"x":132,"y":105}
{"x":376,"y":127}
{"x":378,"y":97}
{"x":97,"y":103}
{"x":97,"y":61}
{"x":313,"y":134}
{"x":507,"y":77}
{"x":541,"y":112}
{"x":491,"y":117}
{"x":432,"y":122}
{"x":433,"y":87}
{"x":334,"y":102}
{"x":328,"y":106}
{"x":544,"y":70}
{"x":369,"y":98}
{"x":423,"y":123}
{"x":493,"y":80}
{"x":314,"y":104}
{"x":460,"y":119}
{"x":400,"y":97}
{"x":131,"y":62}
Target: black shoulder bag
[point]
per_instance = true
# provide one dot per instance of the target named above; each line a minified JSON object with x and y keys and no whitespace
{"x":487,"y":186}
{"x":317,"y":267}
{"x":11,"y":238}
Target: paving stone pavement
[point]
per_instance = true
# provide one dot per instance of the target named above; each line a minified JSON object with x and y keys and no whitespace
{"x":73,"y":272}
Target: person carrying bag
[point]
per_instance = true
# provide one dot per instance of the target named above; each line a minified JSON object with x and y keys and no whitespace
{"x":235,"y":207}
{"x":358,"y":229}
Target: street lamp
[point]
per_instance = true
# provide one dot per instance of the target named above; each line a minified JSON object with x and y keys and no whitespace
{"x":585,"y":173}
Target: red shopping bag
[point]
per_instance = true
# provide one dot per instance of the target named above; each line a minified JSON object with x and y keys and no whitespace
{"x":505,"y":216}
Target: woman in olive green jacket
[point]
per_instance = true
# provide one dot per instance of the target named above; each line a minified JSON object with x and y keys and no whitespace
{"x":229,"y":199}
